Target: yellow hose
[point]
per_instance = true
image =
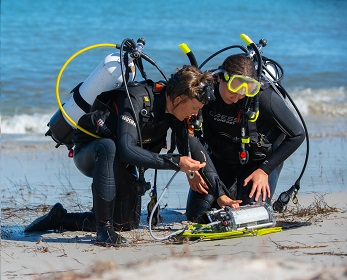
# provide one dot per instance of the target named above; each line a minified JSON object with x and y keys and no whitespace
{"x":57,"y":95}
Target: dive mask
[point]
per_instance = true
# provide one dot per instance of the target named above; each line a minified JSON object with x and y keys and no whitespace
{"x":242,"y":84}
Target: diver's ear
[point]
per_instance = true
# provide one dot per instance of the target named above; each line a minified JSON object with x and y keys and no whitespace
{"x":219,"y":79}
{"x":177,"y":100}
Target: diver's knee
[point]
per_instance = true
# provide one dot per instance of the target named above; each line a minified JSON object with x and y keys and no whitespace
{"x":105,"y":146}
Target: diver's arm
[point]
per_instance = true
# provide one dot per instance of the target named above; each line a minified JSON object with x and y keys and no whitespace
{"x":209,"y":178}
{"x":277,"y":111}
{"x":274,"y":113}
{"x":131,"y":153}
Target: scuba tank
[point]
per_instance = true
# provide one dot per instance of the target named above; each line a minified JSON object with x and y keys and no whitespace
{"x":106,"y":76}
{"x":113,"y":72}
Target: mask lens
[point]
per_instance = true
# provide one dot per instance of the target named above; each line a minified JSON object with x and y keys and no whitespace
{"x":243,"y":85}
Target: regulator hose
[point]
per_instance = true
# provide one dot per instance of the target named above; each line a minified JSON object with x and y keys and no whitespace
{"x":129,"y":47}
{"x":153,"y":210}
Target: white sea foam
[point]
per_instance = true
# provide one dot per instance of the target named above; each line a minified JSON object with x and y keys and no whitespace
{"x":322,"y":103}
{"x":25,"y":124}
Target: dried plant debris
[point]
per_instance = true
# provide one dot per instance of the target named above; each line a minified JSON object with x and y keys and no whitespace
{"x":317,"y":210}
{"x":296,"y":247}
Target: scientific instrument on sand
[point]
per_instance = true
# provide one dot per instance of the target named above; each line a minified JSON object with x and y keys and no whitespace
{"x":246,"y":217}
{"x":249,"y":220}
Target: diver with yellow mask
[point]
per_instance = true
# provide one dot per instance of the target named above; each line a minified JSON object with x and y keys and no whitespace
{"x":250,"y":173}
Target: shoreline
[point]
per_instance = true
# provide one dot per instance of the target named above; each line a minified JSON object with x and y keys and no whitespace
{"x":43,"y":174}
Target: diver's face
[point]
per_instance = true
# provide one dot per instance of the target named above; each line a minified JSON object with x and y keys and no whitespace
{"x":229,"y":97}
{"x":184,"y":107}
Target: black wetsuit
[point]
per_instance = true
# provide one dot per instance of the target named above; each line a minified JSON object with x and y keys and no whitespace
{"x":110,"y":160}
{"x":222,"y":125}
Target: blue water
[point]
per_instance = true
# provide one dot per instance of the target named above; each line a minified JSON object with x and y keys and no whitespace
{"x":308,"y":38}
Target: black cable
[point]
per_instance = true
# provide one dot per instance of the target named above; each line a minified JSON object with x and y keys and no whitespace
{"x":144,"y":56}
{"x":220,"y":51}
{"x":125,"y":41}
{"x":277,"y":65}
{"x":297,"y":183}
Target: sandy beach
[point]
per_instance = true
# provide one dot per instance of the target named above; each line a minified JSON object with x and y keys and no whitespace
{"x":313,"y":247}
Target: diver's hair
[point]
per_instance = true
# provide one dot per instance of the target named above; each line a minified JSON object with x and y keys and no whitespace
{"x":239,"y":64}
{"x":187,"y":81}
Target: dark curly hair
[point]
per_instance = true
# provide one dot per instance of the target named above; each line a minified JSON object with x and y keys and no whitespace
{"x":187,"y":81}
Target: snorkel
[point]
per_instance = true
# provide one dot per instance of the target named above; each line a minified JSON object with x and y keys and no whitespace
{"x":255,"y":55}
{"x":186,"y":50}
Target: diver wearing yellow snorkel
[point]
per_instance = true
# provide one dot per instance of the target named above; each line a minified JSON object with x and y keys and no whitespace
{"x":251,"y":174}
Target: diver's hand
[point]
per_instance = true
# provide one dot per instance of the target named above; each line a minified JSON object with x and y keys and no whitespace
{"x":260,"y":184}
{"x":188,"y":164}
{"x":197,"y":183}
{"x":227,"y":201}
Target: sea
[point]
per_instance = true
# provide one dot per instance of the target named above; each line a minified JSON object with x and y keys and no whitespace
{"x":307,"y":38}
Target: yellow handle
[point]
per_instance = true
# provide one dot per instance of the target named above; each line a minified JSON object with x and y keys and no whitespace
{"x":184,"y":48}
{"x":246,"y":39}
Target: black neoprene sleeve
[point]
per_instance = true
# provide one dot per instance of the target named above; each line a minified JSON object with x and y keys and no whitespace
{"x":274,"y":110}
{"x":198,"y":152}
{"x":128,"y":148}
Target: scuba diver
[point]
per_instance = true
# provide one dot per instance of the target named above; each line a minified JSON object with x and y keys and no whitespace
{"x":248,"y":169}
{"x":111,"y":160}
